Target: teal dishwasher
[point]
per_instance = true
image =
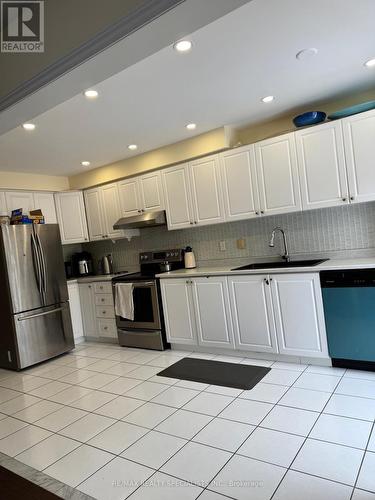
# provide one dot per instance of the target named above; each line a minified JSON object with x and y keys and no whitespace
{"x":349,"y":309}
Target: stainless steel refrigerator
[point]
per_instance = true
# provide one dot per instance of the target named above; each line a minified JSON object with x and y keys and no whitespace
{"x":35,"y":322}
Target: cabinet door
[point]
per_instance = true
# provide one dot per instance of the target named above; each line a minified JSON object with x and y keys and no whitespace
{"x":212,"y":312}
{"x":177,"y":196}
{"x":278,"y":175}
{"x":151,"y":191}
{"x":46,"y":202}
{"x":75,"y":310}
{"x":19,"y":199}
{"x":178,"y":311}
{"x":111,"y":210}
{"x":207,"y":191}
{"x":130,"y":202}
{"x":253,"y":321}
{"x":94,"y":210}
{"x":359,"y":134}
{"x":71,"y":216}
{"x":321,"y":162}
{"x":89,"y":322}
{"x":240,"y":187}
{"x":299,"y":317}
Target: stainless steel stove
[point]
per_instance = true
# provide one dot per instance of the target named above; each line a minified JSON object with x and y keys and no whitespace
{"x":147,"y":330}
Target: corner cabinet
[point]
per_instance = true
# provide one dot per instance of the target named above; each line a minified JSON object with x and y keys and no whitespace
{"x":299,"y":317}
{"x":277,"y":173}
{"x":71,"y":216}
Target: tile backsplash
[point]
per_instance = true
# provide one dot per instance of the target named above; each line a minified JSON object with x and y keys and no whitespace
{"x":333,"y":232}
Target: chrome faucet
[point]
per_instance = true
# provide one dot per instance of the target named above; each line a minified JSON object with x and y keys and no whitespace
{"x":286,"y":255}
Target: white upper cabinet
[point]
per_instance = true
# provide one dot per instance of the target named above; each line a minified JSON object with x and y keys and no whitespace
{"x":111,"y":210}
{"x":278,"y":175}
{"x":321,"y":162}
{"x":176,"y":183}
{"x":151,"y":191}
{"x":94,"y":212}
{"x":359,"y":141}
{"x":130,"y":202}
{"x":212,"y":312}
{"x":207,"y":190}
{"x":46,"y":202}
{"x":240,"y":186}
{"x":178,"y":311}
{"x":71,"y":216}
{"x":299,"y":316}
{"x":19,"y":199}
{"x":253,"y":321}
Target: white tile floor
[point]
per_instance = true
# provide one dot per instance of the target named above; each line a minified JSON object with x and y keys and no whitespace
{"x":100,"y":419}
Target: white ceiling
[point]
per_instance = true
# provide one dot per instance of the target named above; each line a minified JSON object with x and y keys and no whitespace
{"x":236,"y":60}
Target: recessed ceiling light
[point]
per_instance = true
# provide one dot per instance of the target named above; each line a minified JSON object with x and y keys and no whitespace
{"x":91,"y":94}
{"x":132,"y":147}
{"x":28,"y":126}
{"x":191,"y":126}
{"x":305,"y":54}
{"x":85,"y":163}
{"x":268,"y":98}
{"x":183,"y":45}
{"x":370,"y":63}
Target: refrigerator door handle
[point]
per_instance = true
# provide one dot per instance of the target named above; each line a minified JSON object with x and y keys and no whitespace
{"x":36,"y":263}
{"x":44,"y":267}
{"x":37,"y":315}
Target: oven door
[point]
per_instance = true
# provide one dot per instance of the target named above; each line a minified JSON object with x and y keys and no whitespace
{"x":146,"y":308}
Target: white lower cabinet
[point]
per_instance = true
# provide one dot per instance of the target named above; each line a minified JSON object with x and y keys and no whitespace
{"x":75,"y":311}
{"x":212,"y":312}
{"x":87,"y":298}
{"x":253,"y":320}
{"x":278,"y":313}
{"x":98,"y":312}
{"x":178,"y":311}
{"x":299,"y":316}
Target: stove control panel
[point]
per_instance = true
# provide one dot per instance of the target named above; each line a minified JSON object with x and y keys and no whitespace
{"x":173,"y":255}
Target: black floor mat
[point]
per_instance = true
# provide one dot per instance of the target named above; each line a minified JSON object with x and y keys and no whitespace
{"x":216,"y":373}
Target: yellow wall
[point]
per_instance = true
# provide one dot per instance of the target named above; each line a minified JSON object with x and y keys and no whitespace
{"x":215,"y":140}
{"x":283,"y":124}
{"x":33,"y":182}
{"x":200,"y":145}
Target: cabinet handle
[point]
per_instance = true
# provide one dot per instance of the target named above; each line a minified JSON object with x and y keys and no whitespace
{"x":352,"y":198}
{"x":256,"y":213}
{"x":266,"y":281}
{"x":103,"y":312}
{"x":191,"y":222}
{"x":344,"y":199}
{"x":89,"y":286}
{"x":195,"y":222}
{"x":262,"y":212}
{"x":102,"y":300}
{"x":106,"y":328}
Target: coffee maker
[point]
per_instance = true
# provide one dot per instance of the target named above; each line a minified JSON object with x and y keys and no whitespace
{"x":82,"y":264}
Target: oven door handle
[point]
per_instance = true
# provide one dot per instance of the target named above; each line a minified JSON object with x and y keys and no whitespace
{"x":142,"y":284}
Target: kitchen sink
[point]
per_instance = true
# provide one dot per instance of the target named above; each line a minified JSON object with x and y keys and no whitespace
{"x":280,"y":264}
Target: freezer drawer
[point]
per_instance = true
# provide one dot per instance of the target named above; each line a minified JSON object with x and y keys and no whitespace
{"x":43,"y":333}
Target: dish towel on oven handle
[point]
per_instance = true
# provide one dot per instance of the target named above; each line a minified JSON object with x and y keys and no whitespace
{"x":124,"y":303}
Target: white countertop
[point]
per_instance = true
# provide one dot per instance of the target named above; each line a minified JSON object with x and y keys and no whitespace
{"x":332,"y":264}
{"x":98,"y":277}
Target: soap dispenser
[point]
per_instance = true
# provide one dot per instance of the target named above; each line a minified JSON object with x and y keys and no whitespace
{"x":189,"y":258}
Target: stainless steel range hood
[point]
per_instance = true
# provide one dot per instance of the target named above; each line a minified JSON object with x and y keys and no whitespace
{"x":147,"y":219}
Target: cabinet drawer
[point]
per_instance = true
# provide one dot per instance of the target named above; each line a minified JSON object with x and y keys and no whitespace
{"x":107,"y":328}
{"x":103,"y":287}
{"x":104,"y":299}
{"x":105,"y":312}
